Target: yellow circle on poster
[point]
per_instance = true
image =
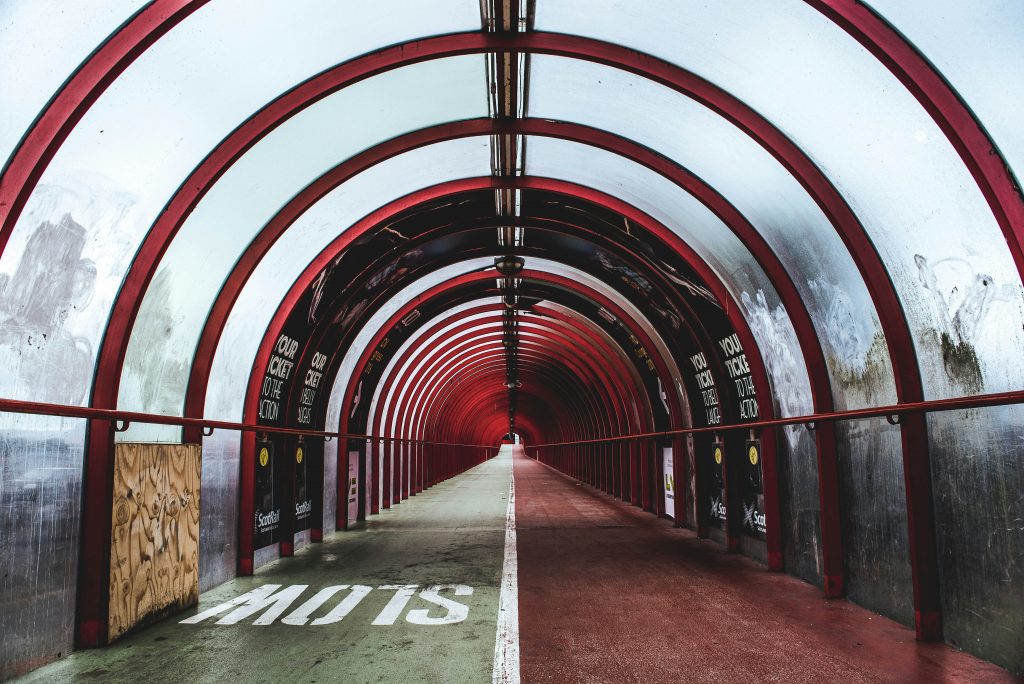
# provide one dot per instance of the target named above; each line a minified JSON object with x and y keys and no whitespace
{"x":718,"y":455}
{"x":298,"y":455}
{"x":264,"y":456}
{"x":752,"y":455}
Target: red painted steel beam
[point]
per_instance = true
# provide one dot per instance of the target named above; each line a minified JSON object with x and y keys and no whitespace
{"x":612,"y":307}
{"x":385,"y":390}
{"x":473,"y":404}
{"x":412,"y":365}
{"x":493,"y":384}
{"x":426,"y":389}
{"x":617,"y":408}
{"x":464,"y":369}
{"x":953,"y":117}
{"x":525,"y":355}
{"x":596,"y":297}
{"x":446,"y":349}
{"x":18,"y":181}
{"x":383,"y":393}
{"x":612,"y":416}
{"x":442,"y":390}
{"x":806,"y":334}
{"x":572,"y":407}
{"x":613,"y":485}
{"x":449,"y":348}
{"x":210,"y":335}
{"x":991,"y":172}
{"x":485,"y":386}
{"x":478,"y":276}
{"x":604,"y":54}
{"x":801,"y":320}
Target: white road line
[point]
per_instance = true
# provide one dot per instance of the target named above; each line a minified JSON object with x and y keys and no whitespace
{"x":506,"y":646}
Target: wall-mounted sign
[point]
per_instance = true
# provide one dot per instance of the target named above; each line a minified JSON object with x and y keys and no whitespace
{"x":353,"y":486}
{"x":310,"y":388}
{"x":716,"y":490}
{"x":735,"y":361}
{"x":267,"y":499}
{"x":279,"y":370}
{"x":752,"y":491}
{"x":708,"y":393}
{"x":303,"y":494}
{"x":669,"y":481}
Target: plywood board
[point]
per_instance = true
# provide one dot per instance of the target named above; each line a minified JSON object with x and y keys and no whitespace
{"x":154,"y":542}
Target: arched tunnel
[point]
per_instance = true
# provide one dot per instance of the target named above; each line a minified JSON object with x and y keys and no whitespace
{"x":535,"y":340}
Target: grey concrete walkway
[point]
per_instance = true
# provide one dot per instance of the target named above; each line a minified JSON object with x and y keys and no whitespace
{"x":451,"y":536}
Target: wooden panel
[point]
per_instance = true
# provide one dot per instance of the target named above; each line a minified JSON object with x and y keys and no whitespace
{"x":154,"y":542}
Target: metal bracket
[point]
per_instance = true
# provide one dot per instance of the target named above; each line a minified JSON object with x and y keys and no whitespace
{"x":811,"y":426}
{"x":328,"y":438}
{"x":122,"y":425}
{"x":207,"y":430}
{"x":893,"y":419}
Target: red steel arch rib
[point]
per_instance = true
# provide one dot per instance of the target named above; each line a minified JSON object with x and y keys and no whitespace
{"x":458,"y":368}
{"x":212,"y":331}
{"x":436,"y":392}
{"x":801,"y":320}
{"x":449,"y":345}
{"x":471,"y":278}
{"x":591,"y":347}
{"x":407,"y":364}
{"x":616,"y":56}
{"x":901,"y":349}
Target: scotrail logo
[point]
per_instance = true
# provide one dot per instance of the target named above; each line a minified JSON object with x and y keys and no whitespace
{"x":272,"y":518}
{"x":753,"y":519}
{"x":717,"y":508}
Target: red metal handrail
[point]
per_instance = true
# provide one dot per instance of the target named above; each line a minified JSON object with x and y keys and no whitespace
{"x":891,"y":412}
{"x":128,"y":417}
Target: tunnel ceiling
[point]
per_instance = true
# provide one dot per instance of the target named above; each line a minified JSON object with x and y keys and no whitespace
{"x":845,"y":203}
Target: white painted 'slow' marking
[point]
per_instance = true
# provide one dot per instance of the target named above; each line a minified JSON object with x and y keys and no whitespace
{"x":506,"y":646}
{"x":274,"y":604}
{"x":393,"y":610}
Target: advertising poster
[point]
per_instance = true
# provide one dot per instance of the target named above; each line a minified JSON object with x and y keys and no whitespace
{"x":353,"y":486}
{"x":716,"y":492}
{"x":366,"y":472}
{"x":267,"y":498}
{"x":747,"y":471}
{"x":752,"y":492}
{"x":303,"y":494}
{"x":669,"y":481}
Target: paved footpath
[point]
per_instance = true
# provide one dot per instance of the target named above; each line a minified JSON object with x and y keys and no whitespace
{"x":427,"y":592}
{"x":450,"y":538}
{"x":608,"y":593}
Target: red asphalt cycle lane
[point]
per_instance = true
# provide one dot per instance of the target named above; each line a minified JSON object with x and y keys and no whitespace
{"x":609,"y":593}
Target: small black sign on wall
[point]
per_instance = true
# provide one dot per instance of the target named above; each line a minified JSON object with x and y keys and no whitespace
{"x":267,"y":499}
{"x":752,"y":491}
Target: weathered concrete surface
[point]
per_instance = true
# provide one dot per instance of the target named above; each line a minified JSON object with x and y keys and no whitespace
{"x":608,"y":593}
{"x":451,"y":534}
